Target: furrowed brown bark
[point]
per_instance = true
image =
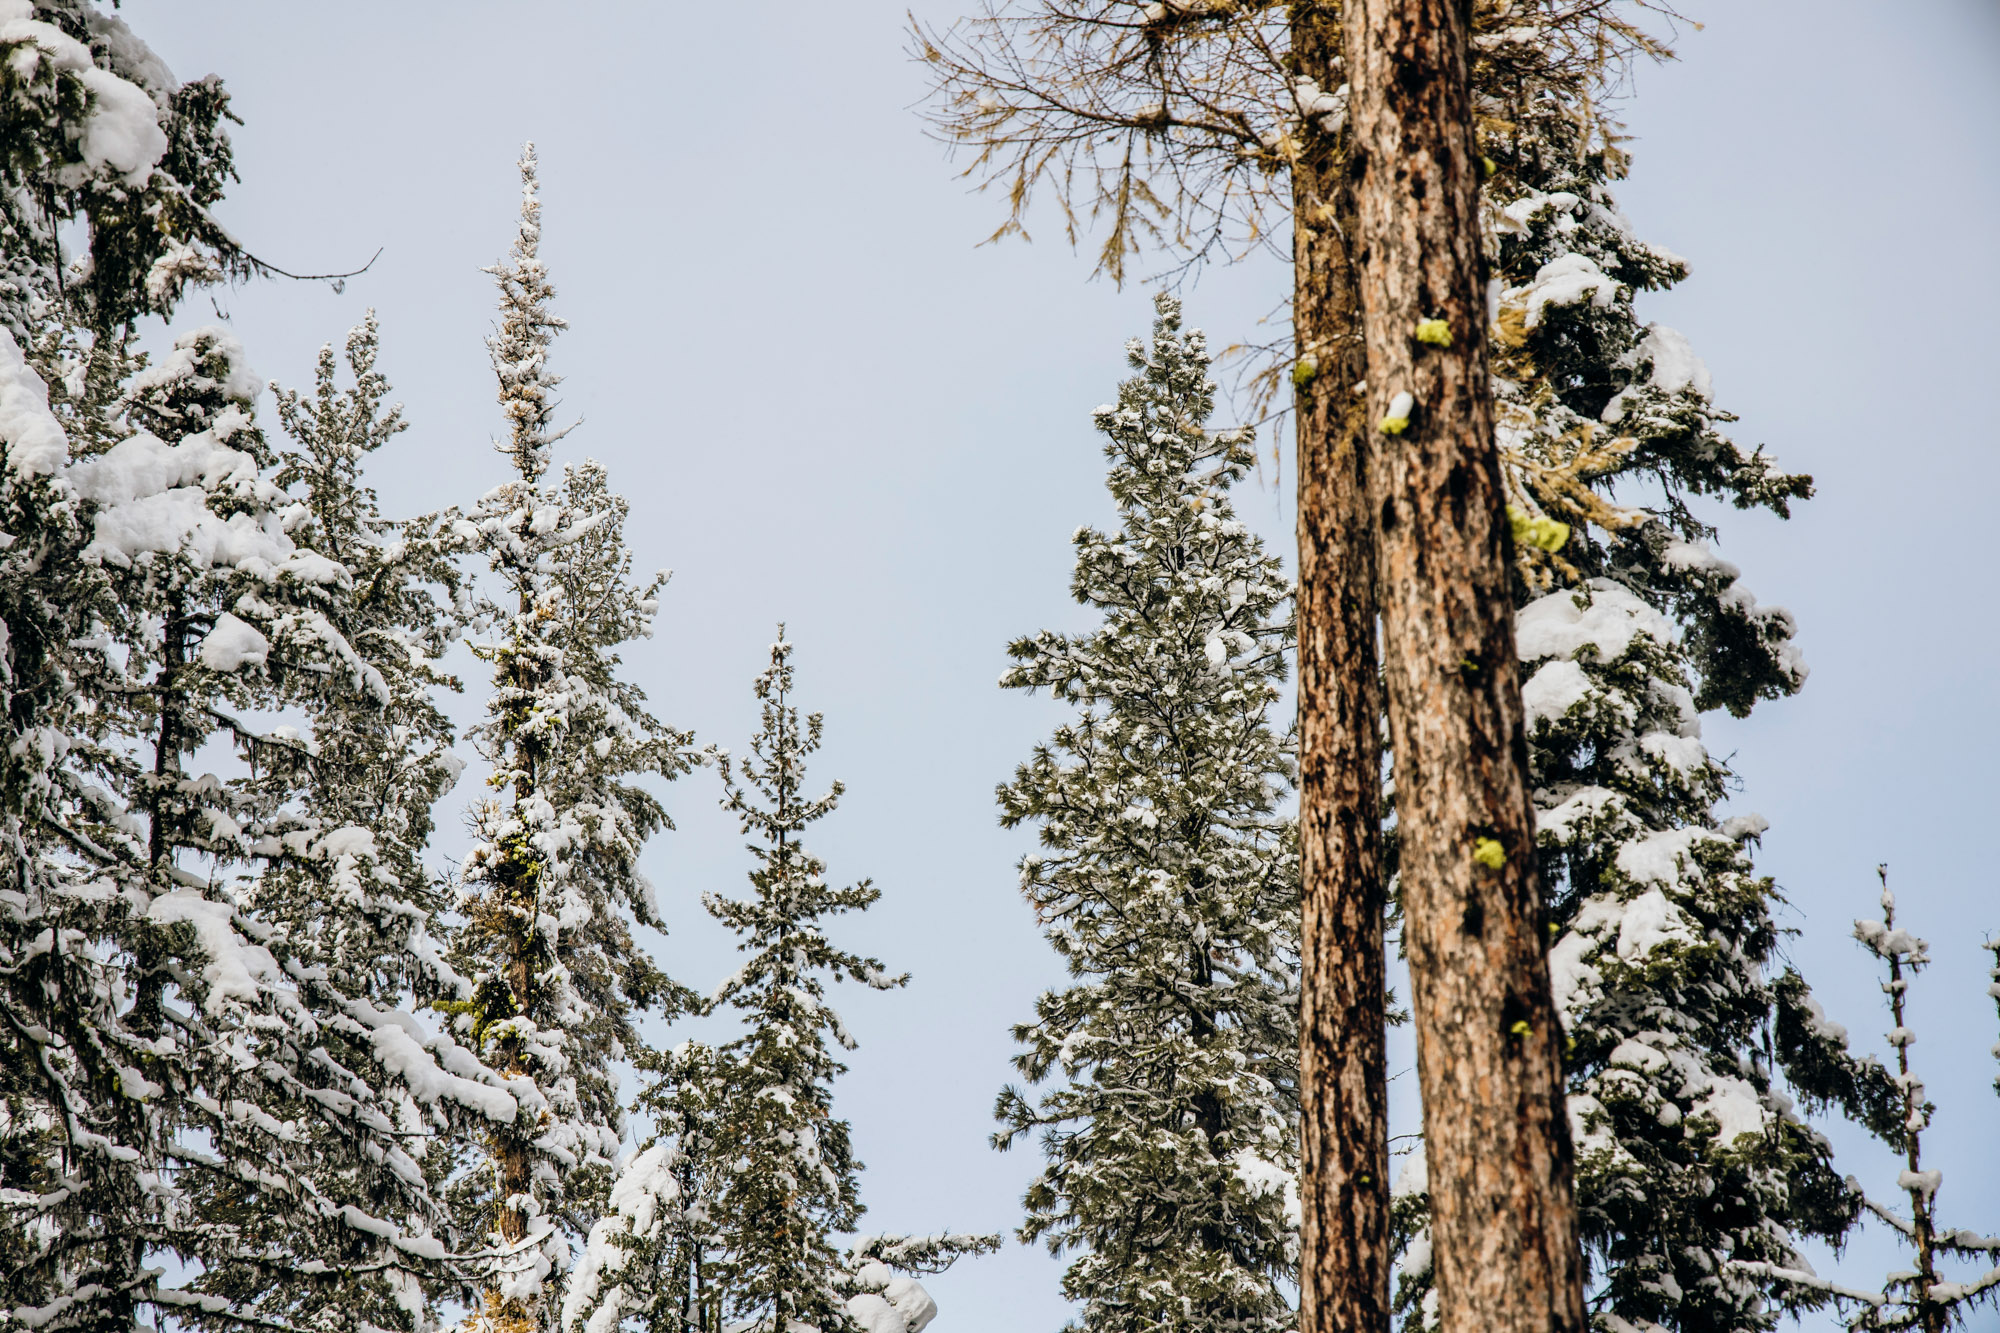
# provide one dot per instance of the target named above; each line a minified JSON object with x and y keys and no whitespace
{"x":1343,"y":1090}
{"x":1488,"y":1045}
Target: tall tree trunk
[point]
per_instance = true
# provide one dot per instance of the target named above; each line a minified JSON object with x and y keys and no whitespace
{"x":517,"y":900}
{"x":1343,"y":1089}
{"x":1488,"y":1046}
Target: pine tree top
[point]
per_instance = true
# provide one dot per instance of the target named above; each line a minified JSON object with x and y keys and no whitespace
{"x":520,"y":346}
{"x":790,"y":954}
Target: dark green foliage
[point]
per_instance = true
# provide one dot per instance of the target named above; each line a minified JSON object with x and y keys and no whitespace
{"x":1168,"y":881}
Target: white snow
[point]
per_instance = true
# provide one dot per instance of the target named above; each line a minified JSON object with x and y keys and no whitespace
{"x":1886,"y":943}
{"x":1660,"y":857}
{"x":131,"y":54}
{"x":1313,"y":101}
{"x":1736,"y":1107}
{"x":903,"y":1307}
{"x":1562,"y":281}
{"x":643,"y":1187}
{"x":1515,"y":217}
{"x":1638,"y":1055}
{"x":123,"y":129}
{"x":153,"y":497}
{"x":236,"y":970}
{"x":1684,"y":754}
{"x":1552,"y":691}
{"x":146,"y":465}
{"x":1261,"y":1177}
{"x":34,"y":439}
{"x":1560,"y":819}
{"x":1650,"y":921}
{"x":912,"y":1303}
{"x":874,"y":1314}
{"x":401,"y":1051}
{"x":180,"y":519}
{"x":232,"y":645}
{"x":1675,"y":365}
{"x":1923,"y":1182}
{"x":1564,"y":623}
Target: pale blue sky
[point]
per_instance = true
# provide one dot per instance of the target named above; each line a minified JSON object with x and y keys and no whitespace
{"x":828,"y":407}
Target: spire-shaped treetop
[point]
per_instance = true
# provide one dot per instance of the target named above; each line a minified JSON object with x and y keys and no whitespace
{"x":520,"y":347}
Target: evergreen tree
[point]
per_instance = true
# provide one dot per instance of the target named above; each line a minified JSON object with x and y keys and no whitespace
{"x":1928,"y":1294}
{"x":552,"y":888}
{"x":1168,"y":884}
{"x":179,"y":1092}
{"x":791,"y":1182}
{"x":381,"y":757}
{"x":362,"y":911}
{"x":651,"y":1259}
{"x":97,"y":136}
{"x":728,"y":1212}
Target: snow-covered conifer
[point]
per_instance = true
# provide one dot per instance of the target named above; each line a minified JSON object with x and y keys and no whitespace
{"x":552,"y":888}
{"x":1930,"y":1294}
{"x":650,"y":1259}
{"x":197,"y":1125}
{"x":381,"y":757}
{"x":1169,"y":883}
{"x":791,"y":1179}
{"x":96,"y":130}
{"x":176,"y":1052}
{"x":1695,"y":1174}
{"x":729,"y":1213}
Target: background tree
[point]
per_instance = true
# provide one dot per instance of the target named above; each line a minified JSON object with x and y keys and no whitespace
{"x":552,"y":888}
{"x":364,"y":912}
{"x":1168,"y":882}
{"x":170,"y":1091}
{"x":792,"y":1180}
{"x":729,"y":1211}
{"x":1928,"y":1295}
{"x":382,"y":767}
{"x":180,"y":1093}
{"x":651,"y":1258}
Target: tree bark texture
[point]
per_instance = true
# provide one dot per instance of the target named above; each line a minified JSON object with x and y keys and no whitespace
{"x":1345,"y":1251}
{"x":1488,"y":1046}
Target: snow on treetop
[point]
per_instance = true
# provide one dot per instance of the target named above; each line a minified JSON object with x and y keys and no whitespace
{"x":122,"y":130}
{"x":239,"y":382}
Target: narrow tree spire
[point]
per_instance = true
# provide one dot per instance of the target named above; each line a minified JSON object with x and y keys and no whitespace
{"x":520,"y":346}
{"x":552,"y":888}
{"x":795,"y":1182}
